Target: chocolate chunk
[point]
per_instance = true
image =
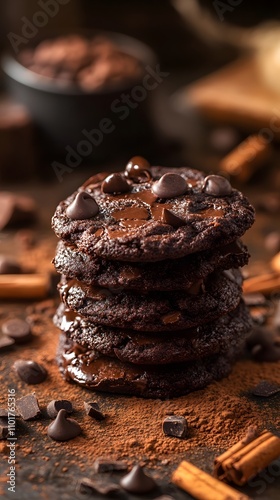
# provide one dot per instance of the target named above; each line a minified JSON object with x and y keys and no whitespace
{"x":28,"y":407}
{"x":9,"y":266}
{"x":16,"y":210}
{"x":5,"y":342}
{"x":137,"y":482}
{"x":84,"y":206}
{"x":169,"y":186}
{"x":4,"y":430}
{"x":175,"y":426}
{"x":17,"y":329}
{"x":93,"y":410}
{"x":171,"y":219}
{"x":56,"y":405}
{"x":216,"y":185}
{"x":252,"y":433}
{"x":138,"y":169}
{"x":90,"y":486}
{"x":30,"y":371}
{"x":104,"y":465}
{"x":264,"y":345}
{"x":272,"y":242}
{"x":64,"y":428}
{"x":114,"y":184}
{"x":4,"y":413}
{"x":265,"y":389}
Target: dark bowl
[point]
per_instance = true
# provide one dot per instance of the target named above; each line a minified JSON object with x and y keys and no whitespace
{"x":65,"y":115}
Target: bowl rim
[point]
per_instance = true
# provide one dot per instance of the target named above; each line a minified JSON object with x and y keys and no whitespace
{"x":130,"y":45}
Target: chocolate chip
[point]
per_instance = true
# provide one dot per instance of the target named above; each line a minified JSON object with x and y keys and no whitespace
{"x":5,"y":342}
{"x":103,"y":465}
{"x":17,"y":329}
{"x":138,"y":169}
{"x":137,"y":482}
{"x":216,"y":185}
{"x":171,"y":219}
{"x":30,"y":371}
{"x":89,"y":486}
{"x":84,"y":206}
{"x":64,"y":428}
{"x":28,"y":407}
{"x":252,"y":433}
{"x":114,"y":184}
{"x":4,"y":429}
{"x":56,"y":405}
{"x":9,"y":266}
{"x":264,"y":345}
{"x":175,"y":426}
{"x":93,"y":410}
{"x":265,"y":389}
{"x":170,"y":185}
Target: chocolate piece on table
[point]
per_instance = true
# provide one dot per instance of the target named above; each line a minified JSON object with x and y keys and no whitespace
{"x":175,"y":426}
{"x":17,"y":329}
{"x":170,"y":186}
{"x":216,"y":185}
{"x":137,"y":481}
{"x":4,"y":413}
{"x":30,"y":371}
{"x":28,"y":407}
{"x":265,"y":389}
{"x":6,"y":342}
{"x":93,"y":410}
{"x":60,"y":404}
{"x":171,"y":219}
{"x":16,"y":210}
{"x":4,"y":429}
{"x":106,"y":465}
{"x":9,"y":266}
{"x":64,"y":428}
{"x":114,"y":184}
{"x":91,"y":486}
{"x":84,"y":206}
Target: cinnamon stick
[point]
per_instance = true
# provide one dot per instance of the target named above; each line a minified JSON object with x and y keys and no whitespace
{"x":246,"y":158}
{"x":24,"y":286}
{"x":264,"y":283}
{"x":244,"y":460}
{"x":202,"y":486}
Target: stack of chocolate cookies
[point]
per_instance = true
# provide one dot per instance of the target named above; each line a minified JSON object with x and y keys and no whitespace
{"x":151,"y":291}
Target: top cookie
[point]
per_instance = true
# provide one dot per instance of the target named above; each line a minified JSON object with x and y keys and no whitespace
{"x":152,"y":213}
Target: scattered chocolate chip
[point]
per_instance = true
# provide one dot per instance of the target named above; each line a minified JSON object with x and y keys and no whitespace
{"x":90,"y":486}
{"x":137,"y":481}
{"x":105,"y":465}
{"x":175,"y":426}
{"x":30,"y":371}
{"x":252,"y":433}
{"x":171,"y":219}
{"x":93,"y":410}
{"x":5,"y":342}
{"x":265,"y":389}
{"x":16,"y":210}
{"x":9,"y":266}
{"x":4,"y":430}
{"x":216,"y":185}
{"x":264,"y":345}
{"x":170,"y":185}
{"x":64,"y":428}
{"x":60,"y":404}
{"x":138,"y":169}
{"x":17,"y":329}
{"x":114,"y":184}
{"x":28,"y":407}
{"x":84,"y":206}
{"x":272,"y":242}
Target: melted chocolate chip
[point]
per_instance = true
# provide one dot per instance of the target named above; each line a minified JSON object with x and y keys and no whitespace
{"x":64,"y":428}
{"x":216,"y":185}
{"x":104,"y":465}
{"x":28,"y":407}
{"x":56,"y":405}
{"x":137,"y":482}
{"x":84,"y":206}
{"x":18,"y":330}
{"x":170,"y":186}
{"x":93,"y":410}
{"x":30,"y":371}
{"x":115,"y":184}
{"x":175,"y":426}
{"x":171,"y":219}
{"x":138,"y":169}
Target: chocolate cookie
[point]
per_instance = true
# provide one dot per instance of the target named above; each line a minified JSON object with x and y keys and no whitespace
{"x":177,"y":274}
{"x":206,"y":300}
{"x":102,"y":373}
{"x":225,"y":333}
{"x":150,"y":214}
